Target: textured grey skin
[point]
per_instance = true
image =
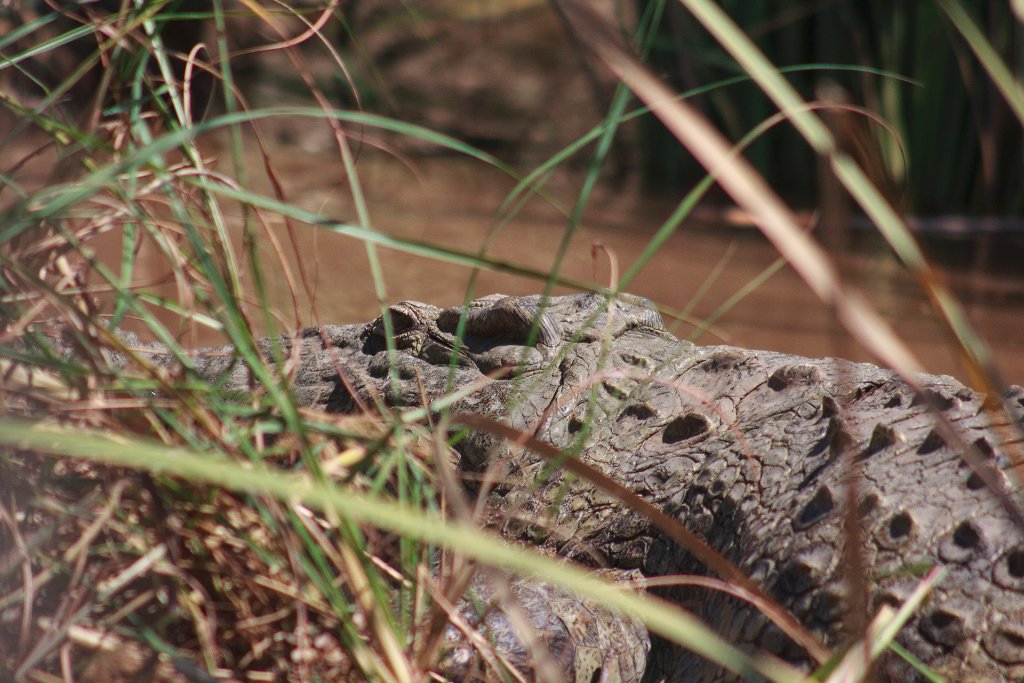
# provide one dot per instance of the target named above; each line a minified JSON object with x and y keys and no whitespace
{"x":748,"y":449}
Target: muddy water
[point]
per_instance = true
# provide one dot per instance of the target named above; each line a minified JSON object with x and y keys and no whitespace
{"x":452,"y":202}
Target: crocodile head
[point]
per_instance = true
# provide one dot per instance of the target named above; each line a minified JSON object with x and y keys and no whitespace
{"x":514,"y":349}
{"x":770,"y":457}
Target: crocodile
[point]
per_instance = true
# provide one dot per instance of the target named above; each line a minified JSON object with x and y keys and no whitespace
{"x":828,"y":484}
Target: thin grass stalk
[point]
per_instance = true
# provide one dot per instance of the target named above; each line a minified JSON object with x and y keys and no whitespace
{"x":372,"y":605}
{"x":534,"y":180}
{"x":688,"y":203}
{"x":183,"y":118}
{"x":604,"y":146}
{"x":616,"y":116}
{"x":742,"y":293}
{"x":315,"y":565}
{"x":31,"y":27}
{"x":1009,"y":86}
{"x":919,"y":666}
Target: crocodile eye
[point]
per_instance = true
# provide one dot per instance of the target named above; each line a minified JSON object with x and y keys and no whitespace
{"x":509,"y":319}
{"x":637,"y":311}
{"x":405,"y":316}
{"x":409,"y":322}
{"x":647,"y":316}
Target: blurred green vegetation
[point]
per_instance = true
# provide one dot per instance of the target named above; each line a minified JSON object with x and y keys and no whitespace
{"x":945,"y":140}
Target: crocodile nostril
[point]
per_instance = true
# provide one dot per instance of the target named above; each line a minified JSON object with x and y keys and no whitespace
{"x":509,"y":319}
{"x":403,"y":317}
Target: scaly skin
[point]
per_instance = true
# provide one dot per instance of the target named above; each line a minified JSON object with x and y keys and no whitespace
{"x":751,"y":450}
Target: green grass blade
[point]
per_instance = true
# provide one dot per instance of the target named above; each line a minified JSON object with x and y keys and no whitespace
{"x":1010,"y":87}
